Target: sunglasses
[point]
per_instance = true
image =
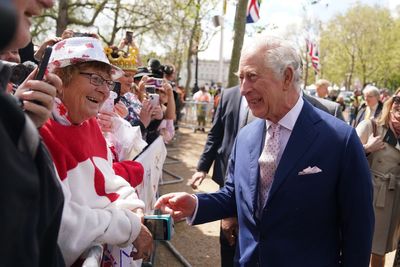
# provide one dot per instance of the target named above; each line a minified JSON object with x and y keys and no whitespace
{"x":396,"y":99}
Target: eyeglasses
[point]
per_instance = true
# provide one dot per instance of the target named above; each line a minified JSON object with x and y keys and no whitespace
{"x":97,"y":80}
{"x":396,"y":99}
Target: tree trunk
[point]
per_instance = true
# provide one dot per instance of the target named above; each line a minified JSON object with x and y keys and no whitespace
{"x":194,"y":40}
{"x":62,"y":19}
{"x":239,"y":28}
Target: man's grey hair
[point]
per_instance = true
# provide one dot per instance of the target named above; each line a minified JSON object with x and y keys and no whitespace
{"x":279,"y":54}
{"x":371,"y":90}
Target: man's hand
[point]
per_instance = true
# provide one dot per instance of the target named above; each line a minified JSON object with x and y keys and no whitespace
{"x":38,"y":96}
{"x":374,"y":143}
{"x":230,"y":229}
{"x":178,"y":205}
{"x":143,"y":244}
{"x":197,"y":177}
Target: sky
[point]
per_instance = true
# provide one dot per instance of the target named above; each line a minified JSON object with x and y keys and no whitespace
{"x":277,"y":15}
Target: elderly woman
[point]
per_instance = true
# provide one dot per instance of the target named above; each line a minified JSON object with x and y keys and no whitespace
{"x":381,"y":144}
{"x":99,"y":204}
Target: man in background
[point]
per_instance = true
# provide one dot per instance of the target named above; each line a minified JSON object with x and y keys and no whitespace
{"x":371,"y":108}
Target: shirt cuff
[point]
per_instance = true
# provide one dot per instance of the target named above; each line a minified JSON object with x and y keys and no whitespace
{"x":189,"y":220}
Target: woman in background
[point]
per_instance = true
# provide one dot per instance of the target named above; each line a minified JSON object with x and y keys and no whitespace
{"x":382,"y":146}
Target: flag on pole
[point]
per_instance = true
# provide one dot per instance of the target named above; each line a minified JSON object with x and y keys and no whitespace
{"x":253,"y":11}
{"x":312,"y":50}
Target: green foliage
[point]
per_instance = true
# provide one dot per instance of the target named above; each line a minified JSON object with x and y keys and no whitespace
{"x":159,"y":27}
{"x":361,"y":45}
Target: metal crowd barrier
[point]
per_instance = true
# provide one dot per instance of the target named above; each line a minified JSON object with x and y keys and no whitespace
{"x":190,"y":112}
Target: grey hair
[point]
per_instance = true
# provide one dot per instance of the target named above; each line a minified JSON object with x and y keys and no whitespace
{"x":371,"y":89}
{"x":279,"y":54}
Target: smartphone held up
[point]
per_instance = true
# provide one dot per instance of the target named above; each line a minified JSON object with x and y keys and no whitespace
{"x":154,"y":99}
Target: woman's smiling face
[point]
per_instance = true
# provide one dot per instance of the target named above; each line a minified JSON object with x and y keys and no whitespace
{"x":82,"y":98}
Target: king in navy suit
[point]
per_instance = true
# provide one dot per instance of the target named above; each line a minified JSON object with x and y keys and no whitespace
{"x":318,"y":210}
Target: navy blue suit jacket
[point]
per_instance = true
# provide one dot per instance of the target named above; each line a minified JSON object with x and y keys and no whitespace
{"x":222,"y":135}
{"x":314,"y":220}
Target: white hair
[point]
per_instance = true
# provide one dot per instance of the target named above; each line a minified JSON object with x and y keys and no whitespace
{"x":279,"y":54}
{"x":371,"y":90}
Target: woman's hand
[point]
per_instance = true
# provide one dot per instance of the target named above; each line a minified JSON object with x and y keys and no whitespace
{"x":374,"y":143}
{"x":157,"y":113}
{"x":121,"y":109}
{"x":145,"y":113}
{"x":49,"y":42}
{"x":143,"y":244}
{"x":105,"y":120}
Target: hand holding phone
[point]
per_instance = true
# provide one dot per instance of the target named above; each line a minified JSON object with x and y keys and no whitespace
{"x":117,"y":90}
{"x":154,"y":99}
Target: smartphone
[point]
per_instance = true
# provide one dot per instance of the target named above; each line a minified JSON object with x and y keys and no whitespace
{"x":43,"y":63}
{"x":154,"y":99}
{"x":156,"y":82}
{"x":117,"y":90}
{"x":160,"y":226}
{"x":129,"y":37}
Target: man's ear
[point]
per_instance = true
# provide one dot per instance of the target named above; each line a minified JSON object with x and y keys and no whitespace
{"x":288,"y":76}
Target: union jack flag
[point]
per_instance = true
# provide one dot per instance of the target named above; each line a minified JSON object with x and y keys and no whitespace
{"x":312,"y":51}
{"x":253,"y":11}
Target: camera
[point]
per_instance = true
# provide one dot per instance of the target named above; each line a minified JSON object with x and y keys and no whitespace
{"x":161,"y":226}
{"x":21,"y":71}
{"x":159,"y":70}
{"x":129,"y":37}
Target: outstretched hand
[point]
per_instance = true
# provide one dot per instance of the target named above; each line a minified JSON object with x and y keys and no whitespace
{"x":178,"y":205}
{"x":196,"y":179}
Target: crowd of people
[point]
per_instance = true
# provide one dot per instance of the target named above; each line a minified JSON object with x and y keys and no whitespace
{"x":70,"y":179}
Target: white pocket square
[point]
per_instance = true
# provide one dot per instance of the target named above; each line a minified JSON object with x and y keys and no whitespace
{"x":310,"y":170}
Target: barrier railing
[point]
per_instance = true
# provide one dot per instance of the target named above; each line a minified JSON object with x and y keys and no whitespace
{"x":192,"y":111}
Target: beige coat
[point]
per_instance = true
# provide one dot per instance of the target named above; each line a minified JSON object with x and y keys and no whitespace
{"x":385,"y":169}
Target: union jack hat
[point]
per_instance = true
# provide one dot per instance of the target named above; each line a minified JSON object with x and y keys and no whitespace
{"x":80,"y":49}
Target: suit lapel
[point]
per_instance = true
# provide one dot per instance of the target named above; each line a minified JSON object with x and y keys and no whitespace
{"x":236,"y":102}
{"x":302,"y":137}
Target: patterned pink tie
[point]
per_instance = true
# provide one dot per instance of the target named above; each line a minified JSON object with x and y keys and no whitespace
{"x":268,"y":163}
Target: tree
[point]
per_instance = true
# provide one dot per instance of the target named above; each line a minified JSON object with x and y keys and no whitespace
{"x":360,"y":44}
{"x":239,"y":28}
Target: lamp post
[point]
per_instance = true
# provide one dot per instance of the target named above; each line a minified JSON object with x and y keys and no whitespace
{"x":221,"y":51}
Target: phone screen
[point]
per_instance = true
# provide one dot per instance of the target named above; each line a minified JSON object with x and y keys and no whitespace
{"x":158,"y":228}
